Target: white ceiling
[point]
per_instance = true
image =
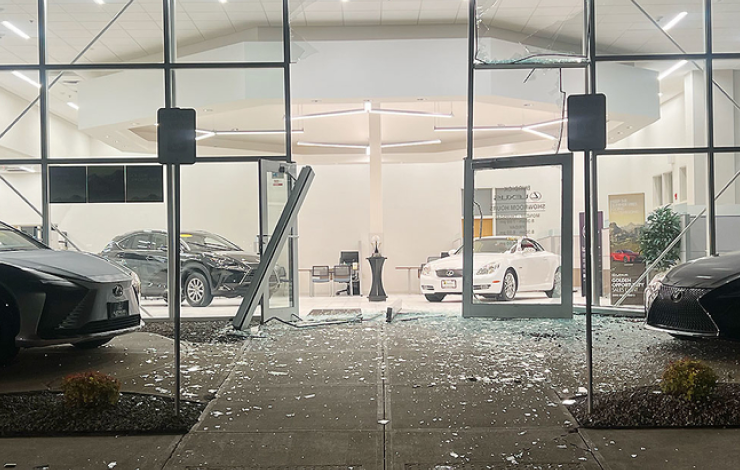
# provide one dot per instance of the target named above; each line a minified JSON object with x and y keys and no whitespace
{"x":137,"y":35}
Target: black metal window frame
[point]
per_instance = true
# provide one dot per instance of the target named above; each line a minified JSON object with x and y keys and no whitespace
{"x":168,"y":67}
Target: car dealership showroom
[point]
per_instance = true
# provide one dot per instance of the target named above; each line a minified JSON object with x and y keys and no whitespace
{"x":408,"y":233}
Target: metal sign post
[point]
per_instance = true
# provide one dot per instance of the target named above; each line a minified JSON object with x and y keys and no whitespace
{"x":175,"y":147}
{"x":587,"y":133}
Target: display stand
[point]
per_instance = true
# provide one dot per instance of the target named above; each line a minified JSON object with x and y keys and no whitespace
{"x":377,"y":293}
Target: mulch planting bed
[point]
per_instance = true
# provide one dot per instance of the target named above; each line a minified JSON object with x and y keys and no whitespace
{"x":46,"y":414}
{"x":196,"y":331}
{"x":648,"y":407}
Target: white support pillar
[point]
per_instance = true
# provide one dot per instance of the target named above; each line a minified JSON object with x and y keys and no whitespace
{"x":376,"y":177}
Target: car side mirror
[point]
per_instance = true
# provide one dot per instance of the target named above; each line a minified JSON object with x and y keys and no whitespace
{"x":451,"y":252}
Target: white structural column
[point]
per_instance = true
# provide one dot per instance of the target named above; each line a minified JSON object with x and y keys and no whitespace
{"x":376,"y":177}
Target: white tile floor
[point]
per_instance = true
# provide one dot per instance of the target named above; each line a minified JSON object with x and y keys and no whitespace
{"x":409,"y":303}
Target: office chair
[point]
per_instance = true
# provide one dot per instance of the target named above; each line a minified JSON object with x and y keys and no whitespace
{"x":343,"y":273}
{"x":320,"y":275}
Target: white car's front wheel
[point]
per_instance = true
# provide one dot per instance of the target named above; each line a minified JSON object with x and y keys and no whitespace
{"x":555,"y":292}
{"x":508,"y":290}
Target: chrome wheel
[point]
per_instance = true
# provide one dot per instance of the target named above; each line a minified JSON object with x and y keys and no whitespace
{"x":509,"y":290}
{"x":196,"y":290}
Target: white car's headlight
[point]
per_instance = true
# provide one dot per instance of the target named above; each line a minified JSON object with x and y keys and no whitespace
{"x":490,"y":268}
{"x":427,"y":270}
{"x":652,"y":290}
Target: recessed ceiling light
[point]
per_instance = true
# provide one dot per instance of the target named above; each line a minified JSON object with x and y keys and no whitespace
{"x":223,"y":1}
{"x":15,"y":29}
{"x":26,"y":79}
{"x":100,"y":2}
{"x":674,"y":21}
{"x":672,"y":69}
{"x":72,"y":105}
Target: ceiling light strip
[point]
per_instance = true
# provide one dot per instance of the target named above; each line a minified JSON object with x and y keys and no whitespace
{"x":15,"y":29}
{"x":540,"y":134}
{"x":411,"y":144}
{"x":400,"y":112}
{"x":479,"y":128}
{"x":73,"y":105}
{"x":675,"y":20}
{"x":26,"y":79}
{"x":546,"y":123}
{"x":348,"y":112}
{"x":329,"y":145}
{"x":672,"y":69}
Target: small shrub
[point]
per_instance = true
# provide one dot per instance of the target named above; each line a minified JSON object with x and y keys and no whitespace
{"x":689,"y":379}
{"x":91,"y":389}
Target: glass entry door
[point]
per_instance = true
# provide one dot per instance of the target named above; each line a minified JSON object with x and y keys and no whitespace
{"x":525,"y":267}
{"x":276,"y":184}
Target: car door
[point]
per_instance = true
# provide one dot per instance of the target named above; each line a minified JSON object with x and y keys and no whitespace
{"x":122,"y":252}
{"x":135,"y":255}
{"x":528,"y":264}
{"x":545,"y":264}
{"x":156,"y":261}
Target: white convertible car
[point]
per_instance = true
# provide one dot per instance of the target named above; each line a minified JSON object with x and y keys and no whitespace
{"x":502,"y":266}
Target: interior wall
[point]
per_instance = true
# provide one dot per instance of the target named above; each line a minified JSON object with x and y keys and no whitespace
{"x":422,"y":212}
{"x":334,"y":218}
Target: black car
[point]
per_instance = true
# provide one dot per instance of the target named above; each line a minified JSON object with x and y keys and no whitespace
{"x":700,"y":298}
{"x":50,"y":297}
{"x":212,"y":266}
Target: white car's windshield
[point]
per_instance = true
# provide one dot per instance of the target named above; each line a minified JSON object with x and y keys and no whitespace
{"x":11,"y":240}
{"x":491,"y":245}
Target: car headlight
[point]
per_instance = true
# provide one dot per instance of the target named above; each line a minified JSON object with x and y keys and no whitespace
{"x":427,"y":270}
{"x":52,"y":280}
{"x":652,"y":290}
{"x":225,"y":262}
{"x":490,"y":268}
{"x":136,"y":282}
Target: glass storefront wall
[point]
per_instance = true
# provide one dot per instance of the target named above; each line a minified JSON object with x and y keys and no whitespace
{"x":105,"y":77}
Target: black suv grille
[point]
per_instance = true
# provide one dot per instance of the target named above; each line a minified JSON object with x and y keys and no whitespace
{"x":678,"y":308}
{"x":449,"y":273}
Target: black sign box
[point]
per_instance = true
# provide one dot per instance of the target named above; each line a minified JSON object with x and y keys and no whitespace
{"x":105,"y":184}
{"x":586,"y":122}
{"x":68,"y":184}
{"x":176,"y":136}
{"x":144,"y":184}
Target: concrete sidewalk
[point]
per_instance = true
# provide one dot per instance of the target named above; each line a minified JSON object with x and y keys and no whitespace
{"x":447,"y":393}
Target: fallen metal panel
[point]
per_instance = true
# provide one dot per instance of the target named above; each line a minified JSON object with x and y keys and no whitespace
{"x":261,"y":281}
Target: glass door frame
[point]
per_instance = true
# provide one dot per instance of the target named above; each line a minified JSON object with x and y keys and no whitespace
{"x":290,"y":312}
{"x":499,"y":310}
